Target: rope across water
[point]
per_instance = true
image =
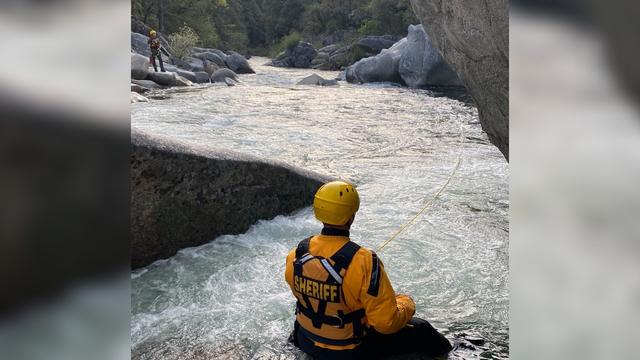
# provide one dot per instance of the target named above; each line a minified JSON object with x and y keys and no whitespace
{"x":430,"y":203}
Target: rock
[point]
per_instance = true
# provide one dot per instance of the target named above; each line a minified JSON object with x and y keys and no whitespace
{"x":382,"y":67}
{"x":148,"y":84}
{"x":185,"y":195}
{"x":220,"y":53}
{"x":135,"y":97}
{"x":473,"y":37}
{"x":138,"y":88}
{"x":139,"y":66}
{"x":162,"y":78}
{"x":299,"y":56}
{"x":210,"y":56}
{"x":182,"y":81}
{"x":139,"y":44}
{"x":329,"y":49}
{"x":192,"y":64}
{"x":210,"y":67}
{"x":375,"y":44}
{"x":230,"y":82}
{"x":315,"y":79}
{"x":202,"y":77}
{"x":191,"y":76}
{"x":221,"y":74}
{"x":421,"y":64}
{"x":238,"y":64}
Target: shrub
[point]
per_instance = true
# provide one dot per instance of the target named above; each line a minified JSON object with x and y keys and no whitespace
{"x":183,"y":41}
{"x":286,"y":43}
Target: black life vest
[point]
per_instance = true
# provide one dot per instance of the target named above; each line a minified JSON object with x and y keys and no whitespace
{"x":321,"y":312}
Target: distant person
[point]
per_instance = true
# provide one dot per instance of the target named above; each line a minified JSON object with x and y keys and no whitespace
{"x":156,"y":50}
{"x":346,"y":307}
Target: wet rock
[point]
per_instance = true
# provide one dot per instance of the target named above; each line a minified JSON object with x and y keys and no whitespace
{"x":185,"y":195}
{"x":238,"y":64}
{"x":421,"y":64}
{"x":299,"y":56}
{"x":139,"y":66}
{"x":135,"y":97}
{"x":202,"y":77}
{"x":473,"y":37}
{"x":221,"y":74}
{"x":315,"y":79}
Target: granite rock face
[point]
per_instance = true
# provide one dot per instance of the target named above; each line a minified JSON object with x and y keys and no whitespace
{"x":473,"y":37}
{"x":183,"y":195}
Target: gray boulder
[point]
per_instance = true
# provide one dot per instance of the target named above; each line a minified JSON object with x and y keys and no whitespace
{"x":299,"y":56}
{"x":139,"y":44}
{"x":202,"y":77}
{"x":375,"y":44}
{"x":182,"y":81}
{"x":139,"y":66}
{"x":421,"y":64}
{"x":210,"y":56}
{"x":221,"y":74}
{"x":191,"y":76}
{"x":148,"y":84}
{"x":184,"y":195}
{"x":163,"y":78}
{"x":315,"y":79}
{"x":210,"y":67}
{"x":238,"y":64}
{"x":135,"y":97}
{"x":473,"y":37}
{"x":379,"y":68}
{"x":220,"y":53}
{"x":138,"y":88}
{"x":192,"y":64}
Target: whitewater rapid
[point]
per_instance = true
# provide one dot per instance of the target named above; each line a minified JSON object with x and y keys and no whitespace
{"x":228,"y":298}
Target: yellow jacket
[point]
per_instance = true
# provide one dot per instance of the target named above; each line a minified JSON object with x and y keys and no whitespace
{"x":385,"y":312}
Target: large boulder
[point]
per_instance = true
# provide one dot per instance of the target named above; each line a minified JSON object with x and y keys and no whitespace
{"x":191,"y":76}
{"x":139,"y":44}
{"x":148,"y":84}
{"x":379,"y":68}
{"x":315,"y":79}
{"x":202,"y":77}
{"x":135,"y":97}
{"x":221,"y":74}
{"x":139,"y":66}
{"x":163,"y":78}
{"x":138,"y":88}
{"x":421,"y":64}
{"x":211,"y":56}
{"x":184,"y":195}
{"x":299,"y":56}
{"x":375,"y":44}
{"x":211,"y":67}
{"x":220,"y":53}
{"x":192,"y":64}
{"x":238,"y":64}
{"x":473,"y":37}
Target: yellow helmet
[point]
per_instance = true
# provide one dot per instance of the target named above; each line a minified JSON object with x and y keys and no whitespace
{"x":152,"y":33}
{"x":336,"y":202}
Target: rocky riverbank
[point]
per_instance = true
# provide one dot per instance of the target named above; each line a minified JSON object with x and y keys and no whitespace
{"x":184,"y":195}
{"x":203,"y":66}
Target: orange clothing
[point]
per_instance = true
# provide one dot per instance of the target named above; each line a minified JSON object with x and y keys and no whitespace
{"x":384,"y":311}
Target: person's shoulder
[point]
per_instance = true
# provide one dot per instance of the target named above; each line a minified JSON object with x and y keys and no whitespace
{"x":363,"y":255}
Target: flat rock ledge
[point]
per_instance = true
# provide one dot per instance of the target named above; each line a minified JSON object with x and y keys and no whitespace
{"x":185,"y":195}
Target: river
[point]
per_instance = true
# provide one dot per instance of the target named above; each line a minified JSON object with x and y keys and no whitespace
{"x":228,"y":298}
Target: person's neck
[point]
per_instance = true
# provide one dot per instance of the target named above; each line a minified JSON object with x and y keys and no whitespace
{"x":332,"y":230}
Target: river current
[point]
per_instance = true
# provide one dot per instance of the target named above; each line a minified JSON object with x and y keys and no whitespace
{"x":228,"y":298}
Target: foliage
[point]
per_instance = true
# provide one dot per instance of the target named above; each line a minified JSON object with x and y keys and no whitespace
{"x":182,"y":41}
{"x":256,"y":25}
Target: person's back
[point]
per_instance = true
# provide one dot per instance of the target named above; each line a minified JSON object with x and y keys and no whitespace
{"x":346,"y":306}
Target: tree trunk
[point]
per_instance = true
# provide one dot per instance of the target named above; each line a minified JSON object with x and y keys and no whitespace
{"x":161,"y":16}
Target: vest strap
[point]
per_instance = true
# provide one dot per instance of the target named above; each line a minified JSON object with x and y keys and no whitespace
{"x":327,"y":341}
{"x":338,"y":321}
{"x":342,"y":258}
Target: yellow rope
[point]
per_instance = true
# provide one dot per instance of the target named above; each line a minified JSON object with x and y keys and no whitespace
{"x":433,"y":199}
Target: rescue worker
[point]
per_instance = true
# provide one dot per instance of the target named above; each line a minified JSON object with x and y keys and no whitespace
{"x":156,"y":50}
{"x":346,"y":307}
